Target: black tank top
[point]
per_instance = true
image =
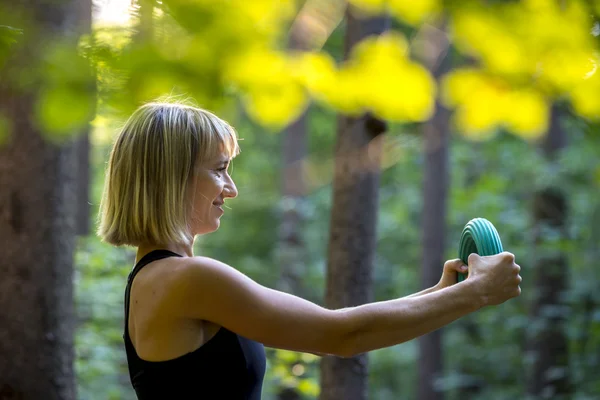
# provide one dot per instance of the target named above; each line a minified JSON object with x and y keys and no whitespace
{"x":228,"y":366}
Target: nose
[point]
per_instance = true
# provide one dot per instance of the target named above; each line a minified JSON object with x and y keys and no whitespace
{"x":230,"y":190}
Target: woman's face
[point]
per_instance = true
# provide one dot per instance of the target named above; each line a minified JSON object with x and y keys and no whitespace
{"x":212,"y":185}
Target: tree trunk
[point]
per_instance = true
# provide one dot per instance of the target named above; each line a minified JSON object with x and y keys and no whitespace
{"x":472,"y":382}
{"x":435,"y":189}
{"x":37,"y":234}
{"x":82,"y":143}
{"x":292,"y":249}
{"x":548,"y":342}
{"x":353,"y":226}
{"x":37,"y":224}
{"x":291,"y":246}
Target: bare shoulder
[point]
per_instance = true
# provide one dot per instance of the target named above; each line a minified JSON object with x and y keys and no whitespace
{"x":177,"y":271}
{"x":154,"y":284}
{"x":199,"y":283}
{"x":160,"y":273}
{"x":206,"y":271}
{"x":213,"y":291}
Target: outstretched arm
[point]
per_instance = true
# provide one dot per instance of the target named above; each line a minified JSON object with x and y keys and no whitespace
{"x":210,"y":290}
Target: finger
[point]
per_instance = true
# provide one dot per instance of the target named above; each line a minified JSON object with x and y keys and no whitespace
{"x":508,"y":257}
{"x":517,"y":268}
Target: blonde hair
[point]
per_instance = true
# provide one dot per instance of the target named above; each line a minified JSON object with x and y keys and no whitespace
{"x":146,"y":188}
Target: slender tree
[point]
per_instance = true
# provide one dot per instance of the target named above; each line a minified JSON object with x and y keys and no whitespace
{"x":314,"y":23}
{"x":353,"y":224}
{"x":436,"y":133}
{"x":292,"y":246}
{"x":293,"y":151}
{"x":548,"y":344}
{"x":291,"y":249}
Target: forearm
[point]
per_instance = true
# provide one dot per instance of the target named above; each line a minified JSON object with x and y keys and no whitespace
{"x":383,"y":324}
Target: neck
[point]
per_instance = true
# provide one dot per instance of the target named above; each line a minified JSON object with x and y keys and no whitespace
{"x":183,"y":249}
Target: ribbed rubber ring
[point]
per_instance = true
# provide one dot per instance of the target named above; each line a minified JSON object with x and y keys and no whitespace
{"x":481,"y":237}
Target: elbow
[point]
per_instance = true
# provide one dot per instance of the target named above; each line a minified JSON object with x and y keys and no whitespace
{"x":340,"y":348}
{"x":348,"y":339}
{"x":349,"y":347}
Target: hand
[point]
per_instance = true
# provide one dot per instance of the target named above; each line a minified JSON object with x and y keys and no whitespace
{"x":496,"y":278}
{"x":449,"y":274}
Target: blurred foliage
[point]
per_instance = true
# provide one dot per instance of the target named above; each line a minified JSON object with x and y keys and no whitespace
{"x":66,"y":101}
{"x":413,"y":12}
{"x":513,"y":60}
{"x":289,"y":369}
{"x":8,"y":37}
{"x":530,"y":53}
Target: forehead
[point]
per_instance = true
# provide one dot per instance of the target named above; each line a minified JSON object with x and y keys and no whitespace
{"x":220,"y":146}
{"x":221,"y":157}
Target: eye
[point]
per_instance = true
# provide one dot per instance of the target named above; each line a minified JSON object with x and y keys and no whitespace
{"x":221,"y":170}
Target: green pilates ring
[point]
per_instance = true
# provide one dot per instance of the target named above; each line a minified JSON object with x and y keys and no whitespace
{"x":481,"y":237}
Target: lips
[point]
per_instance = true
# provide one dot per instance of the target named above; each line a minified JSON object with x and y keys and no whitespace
{"x":219,"y":205}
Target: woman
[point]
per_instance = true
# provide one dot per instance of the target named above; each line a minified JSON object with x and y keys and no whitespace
{"x":194,"y":326}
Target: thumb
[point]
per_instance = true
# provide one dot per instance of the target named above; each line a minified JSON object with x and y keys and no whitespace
{"x":473,"y":258}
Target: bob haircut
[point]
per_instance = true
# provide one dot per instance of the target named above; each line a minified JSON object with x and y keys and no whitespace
{"x":147,"y":182}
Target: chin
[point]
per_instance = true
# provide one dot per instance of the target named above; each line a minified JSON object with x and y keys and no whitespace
{"x":209,"y":229}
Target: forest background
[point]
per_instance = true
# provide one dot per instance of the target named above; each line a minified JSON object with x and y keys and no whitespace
{"x":389,"y":124}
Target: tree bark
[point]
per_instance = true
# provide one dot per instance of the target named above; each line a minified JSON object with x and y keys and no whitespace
{"x":436,"y":134}
{"x":548,"y":343}
{"x":292,"y":249}
{"x":291,"y":246}
{"x":353,"y":226}
{"x":38,"y":209}
{"x":82,"y":143}
{"x":37,"y":231}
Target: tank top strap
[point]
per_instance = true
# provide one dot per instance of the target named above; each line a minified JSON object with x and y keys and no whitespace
{"x":154,"y":255}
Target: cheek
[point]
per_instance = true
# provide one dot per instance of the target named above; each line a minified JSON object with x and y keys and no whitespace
{"x":207,"y":190}
{"x":216,"y":187}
